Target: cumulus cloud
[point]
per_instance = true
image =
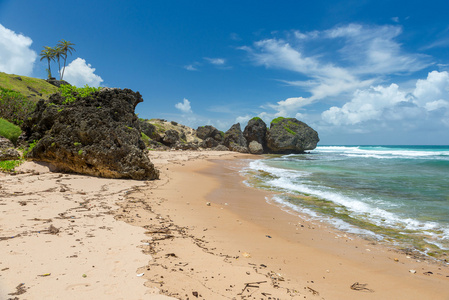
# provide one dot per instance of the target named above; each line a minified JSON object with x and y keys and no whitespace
{"x":16,"y":57}
{"x":184,"y":106}
{"x":79,"y":73}
{"x":428,"y":102}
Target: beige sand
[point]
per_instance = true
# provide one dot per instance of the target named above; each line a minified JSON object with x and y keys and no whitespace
{"x":197,"y":233}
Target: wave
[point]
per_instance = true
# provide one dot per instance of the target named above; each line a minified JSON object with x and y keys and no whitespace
{"x":296,"y":182}
{"x":388,"y":152}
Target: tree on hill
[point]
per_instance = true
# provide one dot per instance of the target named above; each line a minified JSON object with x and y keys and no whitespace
{"x":49,"y":54}
{"x":58,"y":52}
{"x":65,"y":47}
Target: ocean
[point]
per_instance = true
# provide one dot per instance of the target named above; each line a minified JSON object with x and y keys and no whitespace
{"x":398,"y":195}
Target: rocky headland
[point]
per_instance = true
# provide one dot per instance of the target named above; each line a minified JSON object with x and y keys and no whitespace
{"x":98,"y":133}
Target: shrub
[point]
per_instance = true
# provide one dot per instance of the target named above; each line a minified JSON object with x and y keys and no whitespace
{"x":277,"y":120}
{"x":71,"y":93}
{"x":9,"y":130}
{"x":14,"y":106}
{"x":255,"y":119}
{"x":9,"y":165}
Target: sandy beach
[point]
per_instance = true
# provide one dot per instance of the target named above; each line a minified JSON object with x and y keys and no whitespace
{"x":196,"y":233}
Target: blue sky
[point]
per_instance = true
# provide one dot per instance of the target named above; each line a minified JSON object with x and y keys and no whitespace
{"x":359,"y":72}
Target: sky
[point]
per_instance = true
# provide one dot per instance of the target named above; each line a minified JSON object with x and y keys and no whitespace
{"x":359,"y":72}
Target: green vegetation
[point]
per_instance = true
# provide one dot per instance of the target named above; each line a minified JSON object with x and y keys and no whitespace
{"x":9,"y":165}
{"x":14,"y":106}
{"x":60,"y":51}
{"x":289,"y":130}
{"x":31,"y":146}
{"x":277,"y":120}
{"x":31,"y":88}
{"x":80,"y":152}
{"x":145,"y":138}
{"x":71,"y":93}
{"x":9,"y":130}
{"x":76,"y":144}
{"x":255,"y":119}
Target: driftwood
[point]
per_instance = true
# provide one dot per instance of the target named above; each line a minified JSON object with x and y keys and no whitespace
{"x":251,"y":285}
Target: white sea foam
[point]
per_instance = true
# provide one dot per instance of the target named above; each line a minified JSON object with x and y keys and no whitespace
{"x":293,"y":181}
{"x":384,"y":152}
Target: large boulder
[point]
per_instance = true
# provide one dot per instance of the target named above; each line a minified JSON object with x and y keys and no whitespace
{"x":255,"y":148}
{"x":235,"y":140}
{"x":171,"y":137}
{"x":256,"y":131}
{"x":7,"y":151}
{"x":207,"y":131}
{"x":97,"y":135}
{"x":288,"y":135}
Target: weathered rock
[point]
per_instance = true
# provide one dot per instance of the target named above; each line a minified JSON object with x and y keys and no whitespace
{"x":7,"y":151}
{"x":256,"y":130}
{"x":235,"y":140}
{"x":171,"y":137}
{"x":97,"y":135}
{"x":209,"y":142}
{"x":204,"y":132}
{"x":220,"y":148}
{"x":57,"y":83}
{"x":255,"y":147}
{"x":5,"y":143}
{"x":288,"y":135}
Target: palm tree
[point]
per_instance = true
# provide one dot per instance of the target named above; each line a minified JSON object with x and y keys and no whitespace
{"x":48,"y":53}
{"x":58,"y":52}
{"x":65,"y":47}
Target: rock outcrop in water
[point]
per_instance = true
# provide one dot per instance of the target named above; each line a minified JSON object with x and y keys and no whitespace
{"x":288,"y":135}
{"x":97,"y":135}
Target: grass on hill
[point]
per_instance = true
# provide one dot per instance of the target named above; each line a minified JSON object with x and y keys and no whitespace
{"x":32,"y":88}
{"x":9,"y":130}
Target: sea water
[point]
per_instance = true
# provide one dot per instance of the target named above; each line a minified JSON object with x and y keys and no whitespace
{"x":395,"y":194}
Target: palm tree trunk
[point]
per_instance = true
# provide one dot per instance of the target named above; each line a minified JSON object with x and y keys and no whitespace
{"x":49,"y":70}
{"x":63,"y":69}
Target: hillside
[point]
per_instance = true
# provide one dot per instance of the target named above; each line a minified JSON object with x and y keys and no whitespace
{"x":33,"y":88}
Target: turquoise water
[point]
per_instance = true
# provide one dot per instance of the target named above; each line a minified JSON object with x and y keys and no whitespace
{"x":397,"y":194}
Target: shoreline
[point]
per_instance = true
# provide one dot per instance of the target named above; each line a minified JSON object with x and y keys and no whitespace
{"x":310,"y":257}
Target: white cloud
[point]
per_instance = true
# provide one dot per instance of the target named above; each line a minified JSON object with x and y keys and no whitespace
{"x":428,"y":104}
{"x":184,"y":106}
{"x":79,"y":73}
{"x":243,"y":119}
{"x":355,"y":57}
{"x":289,"y":107}
{"x":434,"y":88}
{"x":16,"y":57}
{"x":216,"y":61}
{"x":369,"y":104}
